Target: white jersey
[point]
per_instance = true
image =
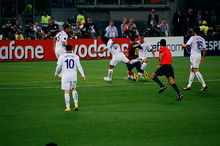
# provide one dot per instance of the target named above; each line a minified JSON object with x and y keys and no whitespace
{"x":197,"y":43}
{"x":113,"y":48}
{"x":146,"y":47}
{"x":69,"y":62}
{"x":61,"y":37}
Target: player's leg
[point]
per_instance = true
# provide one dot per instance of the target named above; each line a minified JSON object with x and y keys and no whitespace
{"x":144,"y":64}
{"x":74,"y":94}
{"x":66,"y":87}
{"x":154,"y":77}
{"x":173,"y":84}
{"x":130,"y":72}
{"x":191,"y":74}
{"x":200,"y":78}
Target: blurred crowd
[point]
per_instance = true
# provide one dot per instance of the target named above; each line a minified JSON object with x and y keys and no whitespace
{"x":85,"y":27}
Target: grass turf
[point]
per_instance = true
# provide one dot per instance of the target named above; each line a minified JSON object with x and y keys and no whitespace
{"x":119,"y":113}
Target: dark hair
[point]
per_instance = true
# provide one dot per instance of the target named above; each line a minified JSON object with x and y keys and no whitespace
{"x":104,"y":39}
{"x":69,"y":47}
{"x":66,"y":26}
{"x":141,"y":35}
{"x":197,"y":30}
{"x":132,"y":38}
{"x":163,"y":42}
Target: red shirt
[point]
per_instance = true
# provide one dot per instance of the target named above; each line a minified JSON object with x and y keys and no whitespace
{"x":167,"y":55}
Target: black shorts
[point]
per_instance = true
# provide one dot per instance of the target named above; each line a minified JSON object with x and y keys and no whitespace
{"x":137,"y":65}
{"x":166,"y":70}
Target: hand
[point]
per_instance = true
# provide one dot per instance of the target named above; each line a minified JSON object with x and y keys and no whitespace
{"x":158,"y":66}
{"x":83,"y":78}
{"x":55,"y":76}
{"x":203,"y":60}
{"x":155,"y":58}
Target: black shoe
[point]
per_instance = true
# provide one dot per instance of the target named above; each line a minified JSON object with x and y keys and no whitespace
{"x":162,"y":89}
{"x":204,"y":88}
{"x":186,"y":88}
{"x":179,"y":96}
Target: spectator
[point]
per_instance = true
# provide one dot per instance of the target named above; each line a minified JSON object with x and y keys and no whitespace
{"x":88,"y":30}
{"x":18,"y":30}
{"x":152,"y":17}
{"x":77,"y":30}
{"x":124,"y":22}
{"x":213,"y":18}
{"x":155,"y":30}
{"x":204,"y":28}
{"x":199,"y":17}
{"x":164,"y":27}
{"x":131,"y":29}
{"x":53,"y":29}
{"x":111,"y":30}
{"x":8,"y":31}
{"x":45,"y":18}
{"x":80,"y":17}
{"x":206,"y":17}
{"x":190,"y":19}
{"x":39,"y":34}
{"x":178,"y":22}
{"x":29,"y":31}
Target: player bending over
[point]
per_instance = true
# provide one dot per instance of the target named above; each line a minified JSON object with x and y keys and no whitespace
{"x":132,"y":54}
{"x":165,"y":68}
{"x":143,"y":50}
{"x":60,"y":41}
{"x":69,"y":63}
{"x":197,"y":43}
{"x":117,"y":56}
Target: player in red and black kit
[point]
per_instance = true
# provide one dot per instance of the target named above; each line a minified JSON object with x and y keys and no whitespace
{"x":132,"y":55}
{"x":165,"y":68}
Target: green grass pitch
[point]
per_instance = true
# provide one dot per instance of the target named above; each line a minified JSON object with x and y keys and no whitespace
{"x":122,"y":113}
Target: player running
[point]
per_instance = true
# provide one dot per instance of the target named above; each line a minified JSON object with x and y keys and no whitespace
{"x":132,"y":54}
{"x":117,"y":56}
{"x":60,"y":41}
{"x":165,"y":68}
{"x":143,"y":50}
{"x":69,"y":63}
{"x":197,"y":43}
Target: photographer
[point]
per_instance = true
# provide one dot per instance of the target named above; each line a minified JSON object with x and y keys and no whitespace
{"x":29,"y":31}
{"x":39,"y":34}
{"x":18,"y":30}
{"x":131,"y":29}
{"x":8,"y":31}
{"x":53,"y":29}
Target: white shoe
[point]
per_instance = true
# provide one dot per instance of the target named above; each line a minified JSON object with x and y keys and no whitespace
{"x":107,"y":79}
{"x":140,"y":75}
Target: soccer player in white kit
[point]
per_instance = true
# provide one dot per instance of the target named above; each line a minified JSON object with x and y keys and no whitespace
{"x":142,"y":54}
{"x":60,"y":41}
{"x":197,"y":44}
{"x":69,"y":63}
{"x":117,"y":56}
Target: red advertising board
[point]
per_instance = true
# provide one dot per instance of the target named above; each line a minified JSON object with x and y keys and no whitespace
{"x":41,"y":50}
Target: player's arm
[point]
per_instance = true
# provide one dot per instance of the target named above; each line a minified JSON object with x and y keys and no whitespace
{"x":160,"y":58}
{"x":54,"y":43}
{"x":102,"y":50}
{"x":79,"y":67}
{"x":203,"y":55}
{"x":153,"y":53}
{"x":185,"y":46}
{"x":58,"y":68}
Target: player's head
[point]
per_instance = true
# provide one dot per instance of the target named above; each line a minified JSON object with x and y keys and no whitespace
{"x":66,"y":28}
{"x":69,"y":48}
{"x":163,"y":42}
{"x":132,"y":38}
{"x":197,"y":31}
{"x":105,"y":39}
{"x":141,"y":37}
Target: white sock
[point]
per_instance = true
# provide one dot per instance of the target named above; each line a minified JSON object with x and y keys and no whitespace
{"x":134,"y":61}
{"x":143,"y":66}
{"x":110,"y":72}
{"x":200,"y":78}
{"x":75,"y":97}
{"x":191,"y":78}
{"x":67,"y":100}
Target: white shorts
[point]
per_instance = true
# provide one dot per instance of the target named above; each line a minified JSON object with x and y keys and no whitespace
{"x":195,"y":61}
{"x":59,"y":52}
{"x":68,"y":85}
{"x":119,"y":58}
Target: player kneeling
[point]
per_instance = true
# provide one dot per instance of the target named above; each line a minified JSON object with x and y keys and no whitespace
{"x":68,"y":63}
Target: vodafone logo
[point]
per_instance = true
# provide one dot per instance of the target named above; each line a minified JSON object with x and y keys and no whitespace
{"x":19,"y":52}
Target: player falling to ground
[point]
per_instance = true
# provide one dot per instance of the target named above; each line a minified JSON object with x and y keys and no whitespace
{"x":69,"y":63}
{"x":60,"y":41}
{"x":165,"y":68}
{"x":197,"y":44}
{"x":117,"y":56}
{"x":132,"y":54}
{"x":143,"y":50}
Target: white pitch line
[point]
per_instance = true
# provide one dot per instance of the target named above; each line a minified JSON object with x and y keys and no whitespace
{"x":107,"y":85}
